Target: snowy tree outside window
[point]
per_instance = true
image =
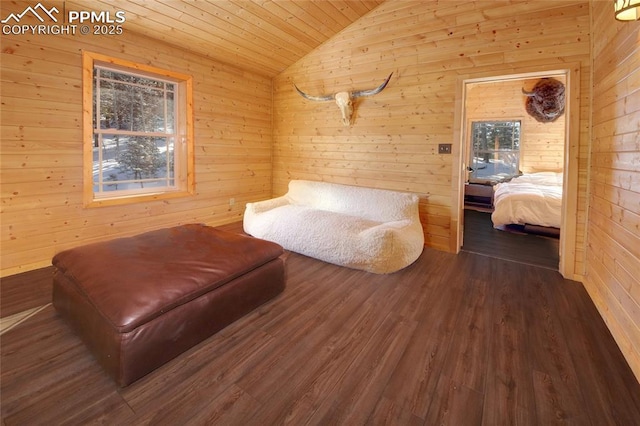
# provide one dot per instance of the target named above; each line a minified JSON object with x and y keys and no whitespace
{"x":495,"y":149}
{"x":137,"y":127}
{"x":134,"y":132}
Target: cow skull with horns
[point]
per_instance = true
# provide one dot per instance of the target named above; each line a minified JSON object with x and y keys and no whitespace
{"x":344,"y":100}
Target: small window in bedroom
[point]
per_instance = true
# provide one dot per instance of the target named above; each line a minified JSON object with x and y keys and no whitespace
{"x":138,"y":131}
{"x":495,"y":151}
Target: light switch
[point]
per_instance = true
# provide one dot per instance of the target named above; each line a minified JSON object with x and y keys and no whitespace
{"x":444,"y":148}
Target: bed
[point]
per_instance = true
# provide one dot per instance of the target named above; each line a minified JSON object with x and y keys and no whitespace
{"x":533,"y":199}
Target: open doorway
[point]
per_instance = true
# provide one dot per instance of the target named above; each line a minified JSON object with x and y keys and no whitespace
{"x":506,"y":145}
{"x":542,"y":148}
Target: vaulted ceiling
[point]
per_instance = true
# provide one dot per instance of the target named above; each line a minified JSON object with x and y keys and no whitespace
{"x":263,"y":36}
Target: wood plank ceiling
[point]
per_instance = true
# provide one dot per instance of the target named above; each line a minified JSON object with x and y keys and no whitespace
{"x":262,"y":36}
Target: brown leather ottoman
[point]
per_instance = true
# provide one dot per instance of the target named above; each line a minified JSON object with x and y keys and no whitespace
{"x":138,"y":302}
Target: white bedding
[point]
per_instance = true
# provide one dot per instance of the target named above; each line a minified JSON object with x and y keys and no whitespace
{"x":532,"y":199}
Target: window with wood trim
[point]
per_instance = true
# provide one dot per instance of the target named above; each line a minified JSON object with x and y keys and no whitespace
{"x":138,"y":130}
{"x":495,"y":150}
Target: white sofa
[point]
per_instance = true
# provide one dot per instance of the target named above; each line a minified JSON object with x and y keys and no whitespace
{"x":363,"y":228}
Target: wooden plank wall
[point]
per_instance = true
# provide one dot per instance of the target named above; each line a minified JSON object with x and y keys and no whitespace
{"x":430,"y":47}
{"x":541,"y":144}
{"x":41,"y":177}
{"x":613,"y":253}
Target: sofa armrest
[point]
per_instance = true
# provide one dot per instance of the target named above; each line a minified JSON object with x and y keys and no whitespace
{"x":263,"y":206}
{"x":407,"y":230}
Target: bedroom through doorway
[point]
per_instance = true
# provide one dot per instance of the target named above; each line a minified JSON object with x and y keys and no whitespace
{"x":501,"y":144}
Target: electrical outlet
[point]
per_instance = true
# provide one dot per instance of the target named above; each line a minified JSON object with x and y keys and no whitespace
{"x":444,"y":148}
{"x":232,"y":201}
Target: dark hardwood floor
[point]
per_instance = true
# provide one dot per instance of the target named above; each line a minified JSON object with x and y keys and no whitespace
{"x":533,"y":249}
{"x":453,"y":339}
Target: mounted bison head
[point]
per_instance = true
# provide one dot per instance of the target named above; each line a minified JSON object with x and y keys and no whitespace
{"x":344,"y":100}
{"x":545,"y":102}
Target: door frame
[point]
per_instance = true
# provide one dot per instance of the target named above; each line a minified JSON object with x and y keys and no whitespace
{"x":569,"y":217}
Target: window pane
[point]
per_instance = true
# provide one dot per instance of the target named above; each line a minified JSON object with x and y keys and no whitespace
{"x":495,"y":149}
{"x":139,"y":157}
{"x":171,"y":116}
{"x":170,"y":156}
{"x":132,"y":108}
{"x":134,"y":103}
{"x":133,"y":162}
{"x":130,"y":78}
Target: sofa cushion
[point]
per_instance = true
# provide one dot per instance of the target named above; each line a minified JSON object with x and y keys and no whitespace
{"x":333,"y":237}
{"x":368,"y":203}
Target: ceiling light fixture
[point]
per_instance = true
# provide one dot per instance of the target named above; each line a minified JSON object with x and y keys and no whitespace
{"x":627,"y":10}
